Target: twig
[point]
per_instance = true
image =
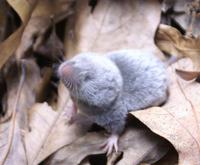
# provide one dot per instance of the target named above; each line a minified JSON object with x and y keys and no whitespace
{"x":193,"y":10}
{"x":13,"y":119}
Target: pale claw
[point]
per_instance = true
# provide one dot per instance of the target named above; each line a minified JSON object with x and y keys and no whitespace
{"x":110,"y":144}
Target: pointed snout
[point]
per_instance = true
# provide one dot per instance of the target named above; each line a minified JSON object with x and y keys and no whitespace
{"x":65,"y":70}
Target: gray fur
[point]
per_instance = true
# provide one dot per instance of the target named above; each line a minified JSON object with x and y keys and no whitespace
{"x":108,"y":87}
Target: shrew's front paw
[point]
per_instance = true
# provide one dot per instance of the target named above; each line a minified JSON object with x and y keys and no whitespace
{"x":110,"y":144}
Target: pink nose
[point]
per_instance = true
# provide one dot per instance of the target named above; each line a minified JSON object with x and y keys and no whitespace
{"x":65,"y":70}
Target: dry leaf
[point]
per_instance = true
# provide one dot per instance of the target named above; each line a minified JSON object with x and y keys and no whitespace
{"x":171,"y":41}
{"x":40,"y":115}
{"x":178,"y":119}
{"x":8,"y":47}
{"x":23,"y":8}
{"x":53,"y":135}
{"x":167,"y":5}
{"x":138,"y":144}
{"x":21,"y":95}
{"x":53,"y":49}
{"x":40,"y":21}
{"x":12,"y":78}
{"x":184,"y":13}
{"x":113,"y":25}
{"x":56,"y":132}
{"x":33,"y":146}
{"x":3,"y":21}
{"x":141,"y":146}
{"x":186,"y":75}
{"x":182,"y":16}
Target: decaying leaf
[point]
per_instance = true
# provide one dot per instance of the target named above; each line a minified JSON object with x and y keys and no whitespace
{"x":178,"y":120}
{"x":8,"y":47}
{"x":171,"y":41}
{"x":41,"y":118}
{"x":149,"y":149}
{"x":40,"y":21}
{"x":3,"y":21}
{"x":181,"y":13}
{"x":137,"y":144}
{"x":21,"y":96}
{"x":53,"y":49}
{"x":28,"y":92}
{"x":53,"y":135}
{"x":114,"y":25}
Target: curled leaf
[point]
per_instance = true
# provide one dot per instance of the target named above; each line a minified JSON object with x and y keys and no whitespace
{"x":178,"y":120}
{"x":172,"y":42}
{"x":187,"y":75}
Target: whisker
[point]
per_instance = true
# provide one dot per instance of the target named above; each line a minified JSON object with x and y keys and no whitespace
{"x":66,"y":83}
{"x":70,"y":85}
{"x":76,"y":93}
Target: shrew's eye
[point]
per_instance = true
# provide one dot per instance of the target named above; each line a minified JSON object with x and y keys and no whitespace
{"x":85,"y":76}
{"x":88,"y":77}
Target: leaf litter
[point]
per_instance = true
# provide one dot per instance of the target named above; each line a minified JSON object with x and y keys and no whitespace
{"x":34,"y":131}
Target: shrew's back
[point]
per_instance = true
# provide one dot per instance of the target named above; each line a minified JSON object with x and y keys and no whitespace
{"x":144,"y":78}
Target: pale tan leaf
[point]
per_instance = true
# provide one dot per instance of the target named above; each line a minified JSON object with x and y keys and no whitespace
{"x":12,"y":78}
{"x":171,"y":41}
{"x":113,"y":25}
{"x":73,"y":154}
{"x":40,"y":21}
{"x":12,"y":150}
{"x":53,"y":135}
{"x":41,"y":118}
{"x":21,"y":95}
{"x":8,"y":47}
{"x":178,"y":120}
{"x":23,"y":8}
{"x":137,"y":144}
{"x":141,"y":146}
